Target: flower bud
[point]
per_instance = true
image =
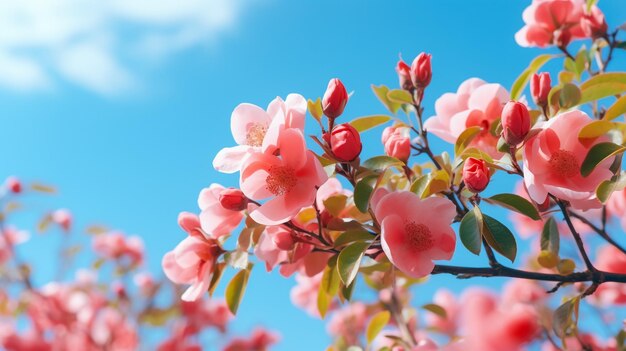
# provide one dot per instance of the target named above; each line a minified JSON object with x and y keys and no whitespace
{"x":594,"y":24}
{"x":540,"y":86}
{"x":233,"y":199}
{"x":397,"y":142}
{"x":13,"y":184}
{"x":345,"y":142}
{"x":475,"y":174}
{"x":421,"y":72}
{"x":62,"y":218}
{"x":562,"y":37}
{"x":515,"y":122}
{"x":335,"y":99}
{"x":404,"y":75}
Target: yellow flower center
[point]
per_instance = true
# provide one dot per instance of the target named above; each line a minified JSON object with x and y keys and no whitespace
{"x":256,"y":134}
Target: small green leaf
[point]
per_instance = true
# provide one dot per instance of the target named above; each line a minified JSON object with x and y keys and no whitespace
{"x":349,"y":260}
{"x":597,"y":154}
{"x":515,"y":203}
{"x":362,"y":124}
{"x":400,"y":96}
{"x":436,"y":309}
{"x":236,"y":289}
{"x":565,"y":318}
{"x":335,"y":204}
{"x":469,"y":231}
{"x":381,"y":162}
{"x":520,"y":83}
{"x":419,"y":185}
{"x":607,"y":187}
{"x":381,"y":93}
{"x":376,"y":325}
{"x":363,"y":191}
{"x":616,"y":110}
{"x":216,"y":277}
{"x":352,"y":236}
{"x":315,"y":108}
{"x":500,"y":238}
{"x":603,"y":85}
{"x":329,"y":286}
{"x":570,"y":96}
{"x":594,"y":130}
{"x":466,"y":137}
{"x":346,"y":291}
{"x":550,"y":239}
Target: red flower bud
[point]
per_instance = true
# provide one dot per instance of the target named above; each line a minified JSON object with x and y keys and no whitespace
{"x":540,"y":86}
{"x":562,"y":37}
{"x":13,"y":184}
{"x":515,"y":122}
{"x":335,"y":99}
{"x":397,"y":142}
{"x":233,"y":199}
{"x":421,"y":72}
{"x":475,"y":174}
{"x":594,"y":25}
{"x":345,"y":142}
{"x":404,"y":75}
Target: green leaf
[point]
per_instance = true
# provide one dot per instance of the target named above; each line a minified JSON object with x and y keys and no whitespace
{"x":499,"y":237}
{"x":329,"y":286}
{"x":363,"y":191}
{"x":594,"y":129}
{"x":570,"y":96}
{"x":349,"y":260}
{"x":315,"y":108}
{"x":236,"y":288}
{"x":607,"y":187}
{"x":381,"y":93}
{"x":469,"y":230}
{"x":466,"y":137}
{"x":436,"y":309}
{"x":515,"y":203}
{"x":381,"y":162}
{"x":335,"y":204}
{"x":400,"y":96}
{"x":346,"y":291}
{"x":216,"y":277}
{"x":362,"y":124}
{"x":550,"y":239}
{"x":520,"y":83}
{"x":419,"y":185}
{"x":376,"y":325}
{"x":565,"y":318}
{"x":603,"y":85}
{"x":597,"y":154}
{"x":616,"y":110}
{"x":352,"y":236}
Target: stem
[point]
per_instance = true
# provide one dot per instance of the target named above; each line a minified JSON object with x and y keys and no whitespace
{"x":577,"y":238}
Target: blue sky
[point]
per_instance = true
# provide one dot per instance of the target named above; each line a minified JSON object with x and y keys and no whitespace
{"x":125,"y":113}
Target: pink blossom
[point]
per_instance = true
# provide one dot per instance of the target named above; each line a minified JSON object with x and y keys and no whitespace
{"x":349,"y":322}
{"x":510,"y":327}
{"x":146,"y":284}
{"x":31,"y":340}
{"x":290,"y":181}
{"x":449,"y":303}
{"x":616,"y":206}
{"x":216,"y":220}
{"x":117,"y":246}
{"x":416,"y":233}
{"x":552,"y":160}
{"x":63,"y":218}
{"x":611,"y":259}
{"x":9,"y":237}
{"x":111,"y":330}
{"x":205,"y":313}
{"x":255,"y":129}
{"x":260,"y":340}
{"x":304,"y":294}
{"x":545,"y":19}
{"x":523,"y":291}
{"x":476,"y":103}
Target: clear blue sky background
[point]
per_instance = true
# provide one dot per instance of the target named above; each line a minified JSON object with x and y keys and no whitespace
{"x":135,"y":160}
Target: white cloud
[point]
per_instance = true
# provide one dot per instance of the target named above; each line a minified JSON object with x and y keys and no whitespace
{"x":94,"y":43}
